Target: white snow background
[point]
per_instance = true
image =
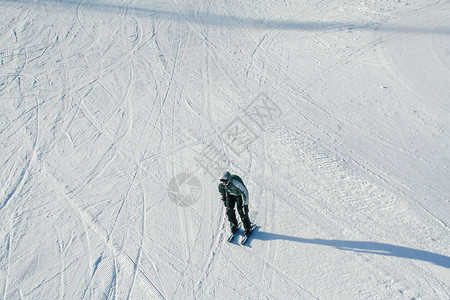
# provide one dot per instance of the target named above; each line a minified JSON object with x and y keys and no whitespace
{"x":117,"y":117}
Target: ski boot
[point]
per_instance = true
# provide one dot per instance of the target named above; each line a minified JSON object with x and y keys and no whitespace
{"x":233,"y":228}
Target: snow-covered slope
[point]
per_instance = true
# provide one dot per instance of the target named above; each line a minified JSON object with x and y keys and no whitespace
{"x":118,"y":117}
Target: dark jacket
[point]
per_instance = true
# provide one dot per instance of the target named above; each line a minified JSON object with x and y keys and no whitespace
{"x":236,"y":187}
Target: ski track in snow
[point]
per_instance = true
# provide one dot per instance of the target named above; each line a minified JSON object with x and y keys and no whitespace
{"x":104,"y":102}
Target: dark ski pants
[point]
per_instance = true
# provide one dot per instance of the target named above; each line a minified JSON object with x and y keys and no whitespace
{"x":231,"y":202}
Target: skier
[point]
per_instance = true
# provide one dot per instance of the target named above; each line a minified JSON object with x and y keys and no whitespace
{"x":234,"y":192}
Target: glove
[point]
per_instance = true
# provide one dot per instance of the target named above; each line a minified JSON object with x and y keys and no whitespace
{"x":245,"y":209}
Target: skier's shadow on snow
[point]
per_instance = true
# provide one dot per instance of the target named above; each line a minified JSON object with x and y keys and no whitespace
{"x":363,"y":247}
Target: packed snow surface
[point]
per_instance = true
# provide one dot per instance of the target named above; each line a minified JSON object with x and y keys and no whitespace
{"x":118,"y":117}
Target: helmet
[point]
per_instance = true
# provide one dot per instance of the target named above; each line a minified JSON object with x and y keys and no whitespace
{"x":226,"y":177}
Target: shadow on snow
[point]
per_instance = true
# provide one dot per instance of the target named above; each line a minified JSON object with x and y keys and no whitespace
{"x":230,"y":21}
{"x":363,"y":247}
